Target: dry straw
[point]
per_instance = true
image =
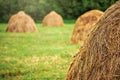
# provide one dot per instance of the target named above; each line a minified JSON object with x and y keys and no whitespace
{"x":84,"y":25}
{"x":21,"y":22}
{"x":53,"y":19}
{"x":99,"y":58}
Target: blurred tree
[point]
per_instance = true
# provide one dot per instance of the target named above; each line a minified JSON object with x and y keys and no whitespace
{"x":73,"y":8}
{"x":69,"y":9}
{"x":7,"y":8}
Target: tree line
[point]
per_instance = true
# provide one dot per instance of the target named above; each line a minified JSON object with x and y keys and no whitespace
{"x":69,"y":9}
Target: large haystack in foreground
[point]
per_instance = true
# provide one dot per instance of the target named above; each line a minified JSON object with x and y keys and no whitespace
{"x":53,"y":19}
{"x":21,"y":22}
{"x":84,"y":24}
{"x":99,"y":58}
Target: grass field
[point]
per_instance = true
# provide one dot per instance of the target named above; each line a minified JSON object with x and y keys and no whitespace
{"x":45,"y":55}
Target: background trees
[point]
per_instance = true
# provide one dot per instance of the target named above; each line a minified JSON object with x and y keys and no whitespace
{"x":69,"y":9}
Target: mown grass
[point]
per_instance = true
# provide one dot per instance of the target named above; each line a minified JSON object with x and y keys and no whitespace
{"x":45,"y":55}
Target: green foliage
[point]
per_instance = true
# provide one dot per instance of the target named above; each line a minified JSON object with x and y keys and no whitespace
{"x":74,"y":8}
{"x":69,"y":9}
{"x":7,"y":9}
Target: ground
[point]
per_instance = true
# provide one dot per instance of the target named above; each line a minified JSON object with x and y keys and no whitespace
{"x":45,"y":55}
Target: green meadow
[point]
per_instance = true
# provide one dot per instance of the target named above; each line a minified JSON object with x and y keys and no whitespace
{"x":45,"y":55}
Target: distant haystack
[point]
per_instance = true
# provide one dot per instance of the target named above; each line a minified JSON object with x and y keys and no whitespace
{"x":53,"y":19}
{"x":21,"y":22}
{"x":84,"y":25}
{"x":99,"y":58}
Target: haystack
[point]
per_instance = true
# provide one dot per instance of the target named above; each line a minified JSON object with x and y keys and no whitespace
{"x":99,"y":58}
{"x":84,"y":25}
{"x":21,"y":22}
{"x":53,"y":19}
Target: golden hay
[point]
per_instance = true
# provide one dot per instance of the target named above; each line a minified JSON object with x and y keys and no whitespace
{"x":21,"y":22}
{"x":53,"y":19}
{"x":99,"y":58}
{"x":84,"y":24}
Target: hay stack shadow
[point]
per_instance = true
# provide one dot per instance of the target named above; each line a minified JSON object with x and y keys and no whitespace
{"x":21,"y":23}
{"x":84,"y":24}
{"x":99,"y":58}
{"x":53,"y":19}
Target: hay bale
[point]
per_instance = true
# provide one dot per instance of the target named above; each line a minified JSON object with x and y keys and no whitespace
{"x":21,"y":22}
{"x":99,"y":58}
{"x":84,"y":24}
{"x":53,"y":19}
